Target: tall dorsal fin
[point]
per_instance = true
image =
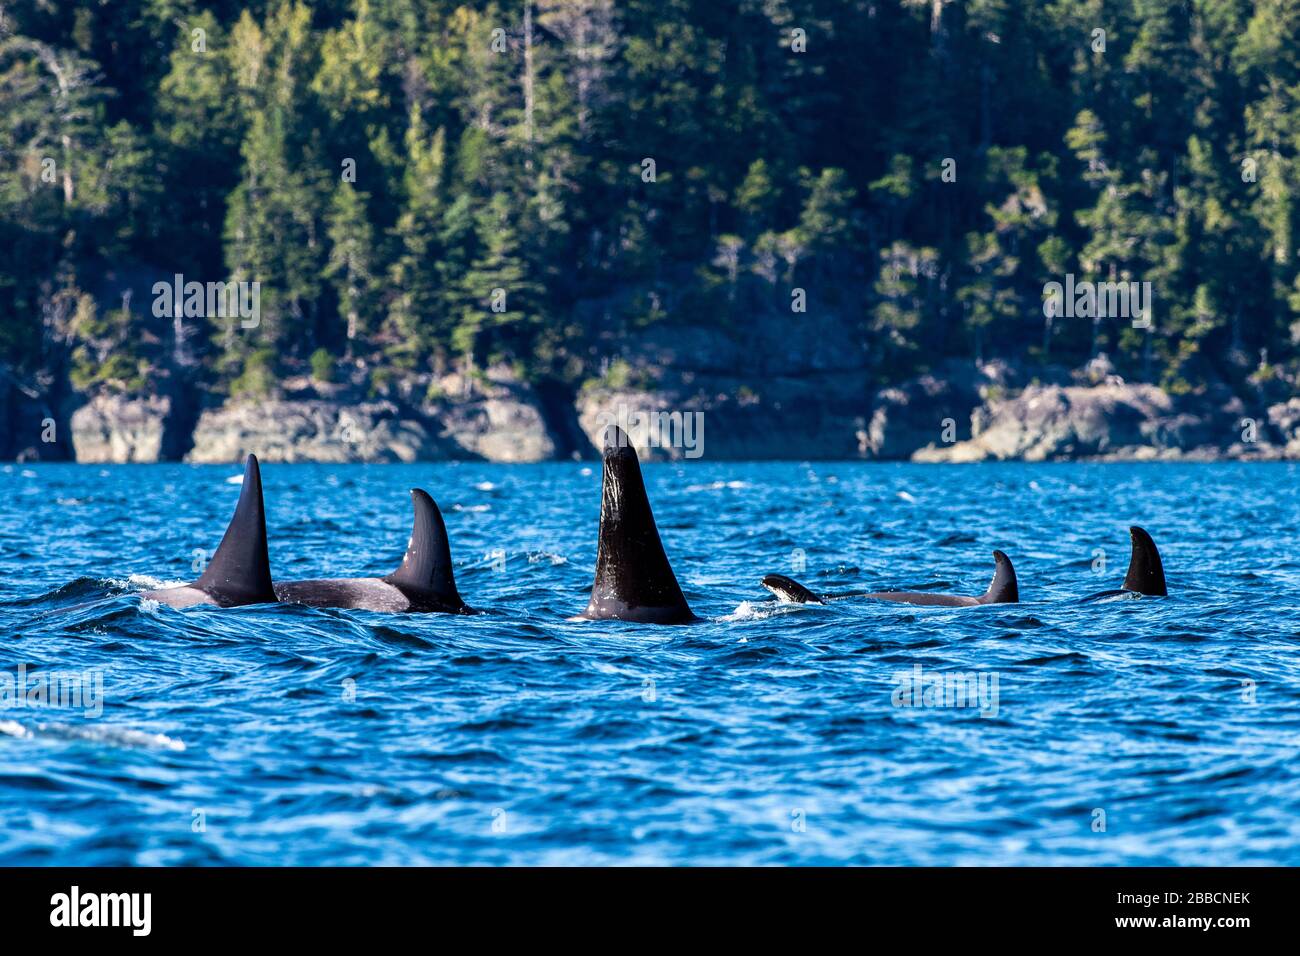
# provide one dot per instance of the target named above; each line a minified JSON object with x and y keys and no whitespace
{"x":426,"y":567}
{"x":1146,"y":574}
{"x":1003,"y":588}
{"x":240,"y":571}
{"x":634,"y":581}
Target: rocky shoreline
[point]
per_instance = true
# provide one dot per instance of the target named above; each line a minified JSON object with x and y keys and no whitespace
{"x":737,"y":399}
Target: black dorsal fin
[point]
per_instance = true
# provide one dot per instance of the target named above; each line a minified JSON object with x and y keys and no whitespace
{"x":1003,"y":589}
{"x":1146,"y":574}
{"x":634,"y":581}
{"x":426,"y":568}
{"x":240,"y":571}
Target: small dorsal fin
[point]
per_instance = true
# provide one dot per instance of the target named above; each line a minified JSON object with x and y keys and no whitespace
{"x":1003,"y":589}
{"x":426,"y":568}
{"x":240,"y":571}
{"x":634,"y":581}
{"x":1146,"y":573}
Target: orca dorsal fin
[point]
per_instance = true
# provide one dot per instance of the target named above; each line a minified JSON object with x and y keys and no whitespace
{"x":1003,"y":589}
{"x":634,"y":581}
{"x":1146,"y":573}
{"x":240,"y":571}
{"x":426,"y":567}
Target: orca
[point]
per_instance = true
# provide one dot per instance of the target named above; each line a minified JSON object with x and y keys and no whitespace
{"x":1146,"y":573}
{"x":240,"y":572}
{"x":634,"y":581}
{"x":1002,"y":590}
{"x":424,"y":583}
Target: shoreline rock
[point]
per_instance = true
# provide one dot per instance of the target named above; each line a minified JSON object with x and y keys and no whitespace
{"x":816,"y":405}
{"x":496,"y":418}
{"x":310,"y":430}
{"x":1115,"y":421}
{"x":722,"y":419}
{"x":111,"y":429}
{"x":487,"y":417}
{"x":767,"y":391}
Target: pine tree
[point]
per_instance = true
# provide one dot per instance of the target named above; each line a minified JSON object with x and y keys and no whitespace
{"x":498,"y":300}
{"x":417,"y":319}
{"x":351,"y":261}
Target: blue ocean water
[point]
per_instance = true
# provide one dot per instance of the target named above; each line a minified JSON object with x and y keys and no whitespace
{"x":1126,"y":732}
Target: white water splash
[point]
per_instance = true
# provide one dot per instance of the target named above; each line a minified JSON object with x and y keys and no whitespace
{"x":146,"y":582}
{"x":536,"y":557}
{"x":718,"y":486}
{"x":748,"y":611}
{"x":114,"y":736}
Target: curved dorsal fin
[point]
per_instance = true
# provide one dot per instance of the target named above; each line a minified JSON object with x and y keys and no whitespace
{"x":427,"y":564}
{"x":240,"y":571}
{"x":634,"y":581}
{"x":1146,"y":574}
{"x":1003,"y":588}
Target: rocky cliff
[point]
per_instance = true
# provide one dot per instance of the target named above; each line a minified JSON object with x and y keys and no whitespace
{"x":493,"y":417}
{"x":1098,"y":416}
{"x":796,"y":388}
{"x":683,"y":393}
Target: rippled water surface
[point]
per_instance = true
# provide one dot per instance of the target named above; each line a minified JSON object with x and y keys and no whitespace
{"x":1141,"y":732}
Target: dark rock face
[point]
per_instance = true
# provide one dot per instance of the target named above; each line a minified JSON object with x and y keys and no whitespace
{"x":778,"y":390}
{"x":781,"y":418}
{"x":32,"y":426}
{"x":928,"y":411}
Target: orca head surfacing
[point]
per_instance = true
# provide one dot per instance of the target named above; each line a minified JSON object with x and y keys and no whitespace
{"x":1146,"y":573}
{"x":239,"y":572}
{"x":789,"y":590}
{"x":634,"y":581}
{"x":425,"y":574}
